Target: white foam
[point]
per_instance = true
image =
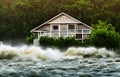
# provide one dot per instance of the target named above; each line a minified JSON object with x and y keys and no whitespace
{"x":29,"y":53}
{"x":34,"y":53}
{"x":90,"y":51}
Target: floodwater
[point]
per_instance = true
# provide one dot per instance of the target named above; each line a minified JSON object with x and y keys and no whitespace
{"x":32,"y":61}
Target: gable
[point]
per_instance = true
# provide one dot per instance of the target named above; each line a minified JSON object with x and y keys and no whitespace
{"x":64,"y":19}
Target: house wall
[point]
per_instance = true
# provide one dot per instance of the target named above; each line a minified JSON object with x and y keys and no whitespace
{"x":63,"y":27}
{"x":44,"y":28}
{"x":81,"y":26}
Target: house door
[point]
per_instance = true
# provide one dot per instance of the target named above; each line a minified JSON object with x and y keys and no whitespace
{"x":78,"y":36}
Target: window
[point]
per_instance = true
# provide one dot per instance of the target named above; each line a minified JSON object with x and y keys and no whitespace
{"x":86,"y":31}
{"x":55,"y":27}
{"x":71,"y":26}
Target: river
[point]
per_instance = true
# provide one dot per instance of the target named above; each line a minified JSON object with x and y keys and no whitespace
{"x":33,"y":61}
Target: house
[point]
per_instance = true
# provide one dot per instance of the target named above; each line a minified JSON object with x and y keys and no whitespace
{"x":62,"y":25}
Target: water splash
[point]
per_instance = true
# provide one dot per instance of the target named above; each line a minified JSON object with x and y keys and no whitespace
{"x":34,"y":53}
{"x":89,"y":52}
{"x":29,"y":53}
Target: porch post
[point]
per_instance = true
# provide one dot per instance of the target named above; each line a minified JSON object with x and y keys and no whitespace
{"x":38,"y":35}
{"x":50,"y":30}
{"x":36,"y":41}
{"x":82,"y":35}
{"x":67,"y":30}
{"x":59,"y":30}
{"x":75,"y":29}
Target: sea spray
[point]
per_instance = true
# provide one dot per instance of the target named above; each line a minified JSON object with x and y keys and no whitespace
{"x":8,"y":52}
{"x":89,"y":52}
{"x":35,"y":53}
{"x":29,"y":53}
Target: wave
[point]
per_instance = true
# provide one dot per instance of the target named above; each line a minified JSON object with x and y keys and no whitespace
{"x":89,"y":52}
{"x":29,"y":53}
{"x":34,"y":53}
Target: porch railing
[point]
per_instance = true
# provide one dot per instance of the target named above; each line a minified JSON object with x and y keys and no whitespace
{"x":65,"y":33}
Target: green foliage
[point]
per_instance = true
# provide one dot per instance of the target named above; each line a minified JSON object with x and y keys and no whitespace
{"x":29,"y":39}
{"x":104,"y":35}
{"x":103,"y":25}
{"x":59,"y":42}
{"x":6,"y":32}
{"x":47,"y":41}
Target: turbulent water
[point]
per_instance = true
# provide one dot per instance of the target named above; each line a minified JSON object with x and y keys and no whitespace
{"x":32,"y":61}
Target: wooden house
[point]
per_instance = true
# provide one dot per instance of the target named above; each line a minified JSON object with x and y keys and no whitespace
{"x":62,"y":25}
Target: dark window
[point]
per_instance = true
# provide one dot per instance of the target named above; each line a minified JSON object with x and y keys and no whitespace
{"x":71,"y":26}
{"x":55,"y":27}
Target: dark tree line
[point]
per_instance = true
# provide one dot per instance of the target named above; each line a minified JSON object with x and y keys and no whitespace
{"x":18,"y":17}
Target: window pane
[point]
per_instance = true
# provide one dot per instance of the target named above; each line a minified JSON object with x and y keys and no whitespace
{"x":86,"y":31}
{"x":55,"y":27}
{"x":71,"y":26}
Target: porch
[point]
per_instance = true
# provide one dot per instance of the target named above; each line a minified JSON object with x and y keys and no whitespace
{"x":80,"y":34}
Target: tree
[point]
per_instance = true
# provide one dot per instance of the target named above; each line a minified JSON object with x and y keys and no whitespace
{"x":104,"y":35}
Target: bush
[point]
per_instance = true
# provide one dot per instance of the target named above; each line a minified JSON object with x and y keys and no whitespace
{"x":59,"y":42}
{"x":71,"y":41}
{"x":29,"y":39}
{"x":46,"y":41}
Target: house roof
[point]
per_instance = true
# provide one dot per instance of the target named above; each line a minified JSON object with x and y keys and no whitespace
{"x":34,"y":30}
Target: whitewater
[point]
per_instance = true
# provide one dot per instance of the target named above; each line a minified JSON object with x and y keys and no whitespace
{"x":35,"y":61}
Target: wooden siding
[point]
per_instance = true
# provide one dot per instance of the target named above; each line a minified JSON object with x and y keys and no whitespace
{"x":81,"y":26}
{"x":63,"y":19}
{"x":46,"y":27}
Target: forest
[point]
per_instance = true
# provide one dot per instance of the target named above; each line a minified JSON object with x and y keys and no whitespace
{"x":18,"y":17}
